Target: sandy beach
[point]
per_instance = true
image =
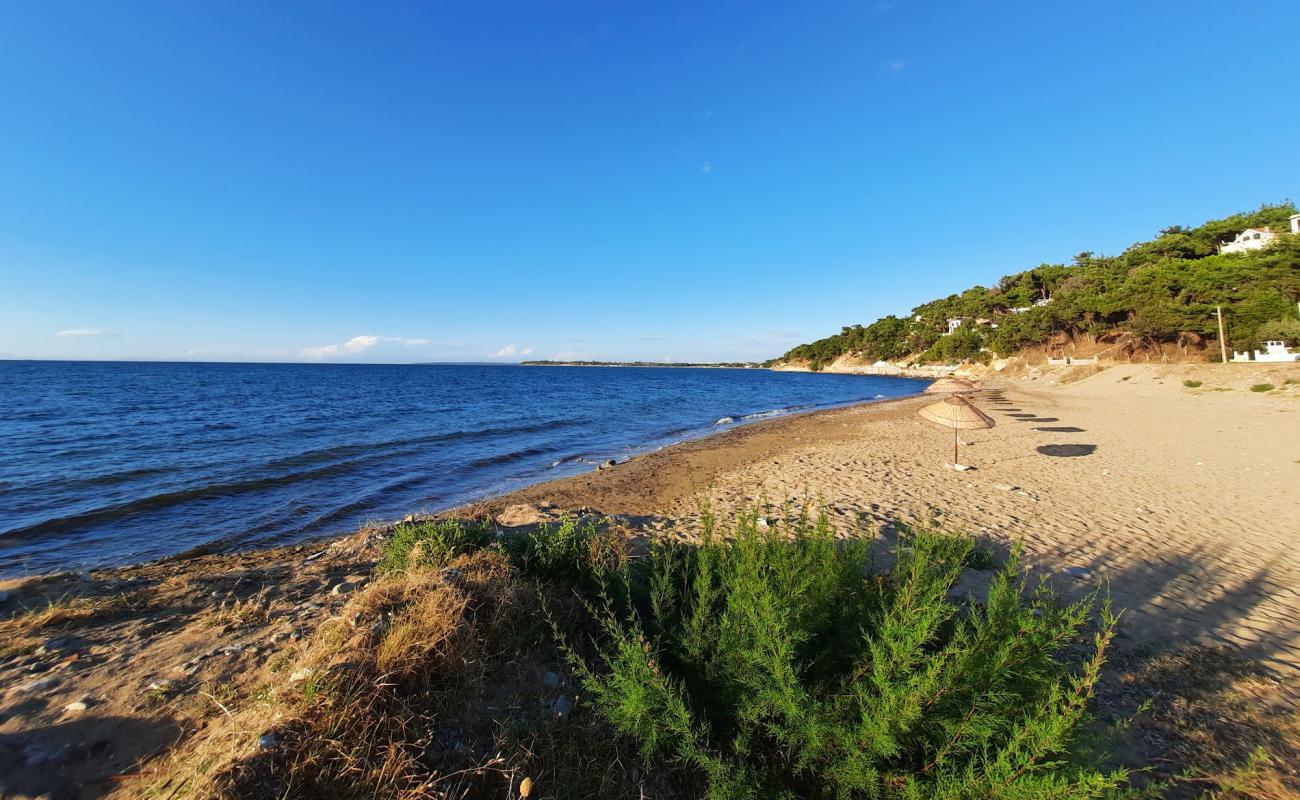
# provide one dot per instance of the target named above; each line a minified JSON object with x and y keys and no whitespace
{"x":1183,"y":502}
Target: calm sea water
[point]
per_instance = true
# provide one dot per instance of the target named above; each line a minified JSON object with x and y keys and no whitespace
{"x":112,"y":463}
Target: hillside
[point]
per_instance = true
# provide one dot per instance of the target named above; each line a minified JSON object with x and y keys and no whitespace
{"x":1155,"y":295}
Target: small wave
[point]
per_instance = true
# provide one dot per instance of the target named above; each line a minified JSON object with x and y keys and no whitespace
{"x":506,"y":458}
{"x":330,"y":453}
{"x":725,"y":421}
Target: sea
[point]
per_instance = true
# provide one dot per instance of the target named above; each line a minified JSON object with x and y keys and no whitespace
{"x":112,"y":463}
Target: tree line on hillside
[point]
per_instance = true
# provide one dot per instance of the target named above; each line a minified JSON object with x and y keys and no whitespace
{"x":1154,"y":293}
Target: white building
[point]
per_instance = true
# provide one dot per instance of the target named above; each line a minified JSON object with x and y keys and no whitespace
{"x":1253,"y":239}
{"x":1273,"y":351}
{"x":954,"y":324}
{"x":1295,"y":224}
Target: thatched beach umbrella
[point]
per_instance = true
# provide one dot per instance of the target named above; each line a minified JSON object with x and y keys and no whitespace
{"x":950,"y":386}
{"x":956,"y":412}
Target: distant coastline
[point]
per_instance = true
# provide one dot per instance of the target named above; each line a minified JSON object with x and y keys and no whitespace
{"x":672,"y":364}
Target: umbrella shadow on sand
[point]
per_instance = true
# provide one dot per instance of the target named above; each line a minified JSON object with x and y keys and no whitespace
{"x":1067,"y":450}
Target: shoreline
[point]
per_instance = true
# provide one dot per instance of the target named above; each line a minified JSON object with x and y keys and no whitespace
{"x":1105,"y":480}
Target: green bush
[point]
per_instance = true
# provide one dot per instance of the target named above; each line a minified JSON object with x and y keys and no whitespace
{"x":1284,"y":330}
{"x":431,"y":543}
{"x":1192,"y":384}
{"x":777,"y":663}
{"x":567,"y":550}
{"x":1262,"y":387}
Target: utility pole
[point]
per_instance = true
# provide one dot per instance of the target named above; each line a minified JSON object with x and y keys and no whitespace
{"x":1223,"y":344}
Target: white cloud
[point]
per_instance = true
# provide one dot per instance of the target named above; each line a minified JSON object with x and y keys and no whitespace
{"x":512,"y":350}
{"x":80,"y":332}
{"x":357,"y":344}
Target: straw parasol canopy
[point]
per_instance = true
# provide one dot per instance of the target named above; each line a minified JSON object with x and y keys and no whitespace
{"x":956,"y":412}
{"x":950,"y":386}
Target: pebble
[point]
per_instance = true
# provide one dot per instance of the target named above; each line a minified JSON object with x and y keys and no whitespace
{"x":299,"y":675}
{"x":76,"y":706}
{"x":164,"y":685}
{"x":266,"y":741}
{"x":1080,"y":573}
{"x":561,"y":707}
{"x":1006,"y":487}
{"x":551,"y":681}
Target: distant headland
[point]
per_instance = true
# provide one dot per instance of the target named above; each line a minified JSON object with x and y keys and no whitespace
{"x":676,"y":364}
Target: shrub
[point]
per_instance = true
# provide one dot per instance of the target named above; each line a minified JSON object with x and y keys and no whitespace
{"x":431,"y":543}
{"x":1192,"y":384}
{"x":1262,"y":387}
{"x":776,"y":664}
{"x":565,"y":551}
{"x":1284,"y":330}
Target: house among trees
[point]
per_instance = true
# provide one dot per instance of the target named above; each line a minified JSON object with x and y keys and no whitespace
{"x":1253,"y":239}
{"x":1273,"y":351}
{"x":1295,"y":224}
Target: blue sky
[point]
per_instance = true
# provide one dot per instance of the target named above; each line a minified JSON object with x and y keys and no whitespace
{"x":464,"y":181}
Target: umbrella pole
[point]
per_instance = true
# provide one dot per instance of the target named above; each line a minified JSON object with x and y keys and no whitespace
{"x":954,"y":447}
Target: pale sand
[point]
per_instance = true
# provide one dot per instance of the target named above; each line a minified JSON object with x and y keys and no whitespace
{"x":1186,"y":501}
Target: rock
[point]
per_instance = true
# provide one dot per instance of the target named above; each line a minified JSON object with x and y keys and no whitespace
{"x":561,"y":707}
{"x":725,"y":421}
{"x":165,"y":685}
{"x":54,"y":644}
{"x":76,"y":707}
{"x":301,"y":674}
{"x":35,"y":687}
{"x":520,"y":514}
{"x":1079,"y":573}
{"x":4,"y":595}
{"x":606,"y":464}
{"x":345,"y":587}
{"x":266,"y":741}
{"x":526,"y":787}
{"x":551,"y":681}
{"x":761,"y":522}
{"x":1005,"y":487}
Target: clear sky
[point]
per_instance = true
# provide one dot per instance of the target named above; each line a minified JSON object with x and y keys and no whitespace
{"x":463,"y":181}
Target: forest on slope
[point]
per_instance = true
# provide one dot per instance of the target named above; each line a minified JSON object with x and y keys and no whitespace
{"x":1155,"y":293}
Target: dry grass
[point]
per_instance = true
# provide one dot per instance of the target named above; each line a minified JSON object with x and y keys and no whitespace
{"x":64,"y":610}
{"x":429,"y":684}
{"x":255,"y":610}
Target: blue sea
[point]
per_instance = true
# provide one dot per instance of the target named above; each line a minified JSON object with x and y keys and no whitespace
{"x":105,"y":463}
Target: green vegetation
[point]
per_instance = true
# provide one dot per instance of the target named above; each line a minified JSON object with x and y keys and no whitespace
{"x":776,"y":663}
{"x":771,"y":660}
{"x":1192,"y":384}
{"x":430,"y":543}
{"x":1262,"y":387}
{"x":1158,"y":292}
